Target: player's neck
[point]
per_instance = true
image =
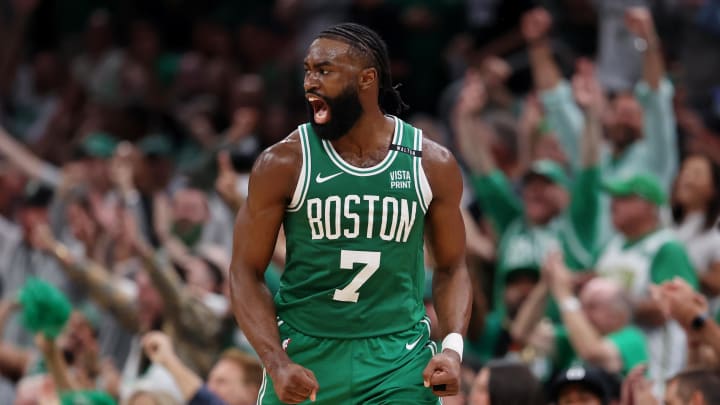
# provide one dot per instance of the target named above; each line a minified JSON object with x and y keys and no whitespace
{"x":372,"y":131}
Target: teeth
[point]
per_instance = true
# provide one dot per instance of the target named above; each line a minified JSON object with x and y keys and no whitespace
{"x":312,"y":98}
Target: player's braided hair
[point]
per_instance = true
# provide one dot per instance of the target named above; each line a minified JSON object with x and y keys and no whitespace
{"x":371,"y":46}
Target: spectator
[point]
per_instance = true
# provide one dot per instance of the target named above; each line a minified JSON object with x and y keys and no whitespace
{"x":696,"y":209}
{"x":493,"y":338}
{"x":694,"y":387}
{"x":595,"y":329}
{"x":97,"y":69}
{"x":90,"y":166}
{"x":156,"y":300}
{"x":690,"y":387}
{"x":645,"y":253}
{"x":506,"y":383}
{"x":680,"y":302}
{"x":26,"y":259}
{"x":126,"y":109}
{"x":30,"y":90}
{"x":234,"y":380}
{"x":189,"y":214}
{"x":553,"y":213}
{"x":152,"y":398}
{"x":585,"y":385}
{"x":640,"y":128}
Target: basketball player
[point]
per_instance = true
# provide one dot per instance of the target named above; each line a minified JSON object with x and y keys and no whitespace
{"x":357,"y":190}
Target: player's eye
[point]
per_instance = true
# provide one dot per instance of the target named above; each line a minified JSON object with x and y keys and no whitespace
{"x":324,"y":72}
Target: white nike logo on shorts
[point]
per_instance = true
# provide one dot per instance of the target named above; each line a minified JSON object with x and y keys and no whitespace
{"x":412,"y":345}
{"x":320,"y":179}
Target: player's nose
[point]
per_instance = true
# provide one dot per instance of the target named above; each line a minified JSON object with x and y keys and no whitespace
{"x":311,"y":82}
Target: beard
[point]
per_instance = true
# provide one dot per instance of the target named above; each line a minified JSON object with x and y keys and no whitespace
{"x":622,"y":136}
{"x":345,"y":111}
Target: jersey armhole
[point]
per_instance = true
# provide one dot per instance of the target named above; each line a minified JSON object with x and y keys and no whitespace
{"x":422,"y":186}
{"x":303,"y":179}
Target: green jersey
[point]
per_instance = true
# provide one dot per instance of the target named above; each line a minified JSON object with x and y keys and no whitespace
{"x":354,"y":237}
{"x":524,"y":246}
{"x":629,"y":341}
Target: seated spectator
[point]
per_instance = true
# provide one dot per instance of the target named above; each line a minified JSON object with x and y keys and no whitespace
{"x":234,"y":380}
{"x":696,"y":209}
{"x":596,"y":328}
{"x":585,"y":385}
{"x":506,"y":383}
{"x":645,"y":253}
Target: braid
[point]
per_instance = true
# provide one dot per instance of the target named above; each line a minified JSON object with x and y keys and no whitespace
{"x":369,"y":44}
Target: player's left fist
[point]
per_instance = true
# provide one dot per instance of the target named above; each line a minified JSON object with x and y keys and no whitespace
{"x":442,"y":373}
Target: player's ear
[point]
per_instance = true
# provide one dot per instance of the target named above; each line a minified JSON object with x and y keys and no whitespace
{"x":368,"y":77}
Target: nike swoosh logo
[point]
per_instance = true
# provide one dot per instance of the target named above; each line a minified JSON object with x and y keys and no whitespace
{"x":320,"y":179}
{"x":412,"y":345}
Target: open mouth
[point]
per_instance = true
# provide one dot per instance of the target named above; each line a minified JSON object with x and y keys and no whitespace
{"x":321,"y":111}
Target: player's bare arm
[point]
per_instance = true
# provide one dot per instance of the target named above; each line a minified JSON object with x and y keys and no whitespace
{"x":272,"y":182}
{"x":452,"y":293}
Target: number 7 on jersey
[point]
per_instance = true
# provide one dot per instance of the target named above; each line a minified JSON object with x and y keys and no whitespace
{"x":348,"y":258}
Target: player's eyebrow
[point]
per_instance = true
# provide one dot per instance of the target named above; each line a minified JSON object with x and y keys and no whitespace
{"x":320,"y":64}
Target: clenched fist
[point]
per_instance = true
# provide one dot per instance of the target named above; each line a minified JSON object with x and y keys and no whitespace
{"x":442,"y":373}
{"x":294,"y":383}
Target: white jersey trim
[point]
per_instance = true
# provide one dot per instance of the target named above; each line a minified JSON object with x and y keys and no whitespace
{"x":263,"y":387}
{"x":422,"y":186}
{"x":303,"y":182}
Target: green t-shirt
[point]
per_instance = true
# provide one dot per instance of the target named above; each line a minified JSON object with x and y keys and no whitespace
{"x":86,"y":398}
{"x":630,"y":342}
{"x":672,"y":261}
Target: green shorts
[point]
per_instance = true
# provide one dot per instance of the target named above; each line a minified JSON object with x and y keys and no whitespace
{"x":378,"y":370}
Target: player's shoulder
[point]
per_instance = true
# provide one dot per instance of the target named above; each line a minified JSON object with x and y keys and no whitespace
{"x":436,"y":155}
{"x":441,"y":169}
{"x":279,"y":165}
{"x":285,"y":154}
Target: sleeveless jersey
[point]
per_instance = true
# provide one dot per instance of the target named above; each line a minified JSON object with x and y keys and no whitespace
{"x":630,"y":267}
{"x":354,"y":238}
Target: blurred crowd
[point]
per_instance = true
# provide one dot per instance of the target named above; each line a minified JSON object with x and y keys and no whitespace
{"x":588,"y":132}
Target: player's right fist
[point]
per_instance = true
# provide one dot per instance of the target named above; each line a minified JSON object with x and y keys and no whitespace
{"x":535,"y":24}
{"x":294,"y":384}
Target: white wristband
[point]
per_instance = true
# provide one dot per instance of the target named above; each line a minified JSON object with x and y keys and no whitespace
{"x":454,"y":341}
{"x":570,"y":304}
